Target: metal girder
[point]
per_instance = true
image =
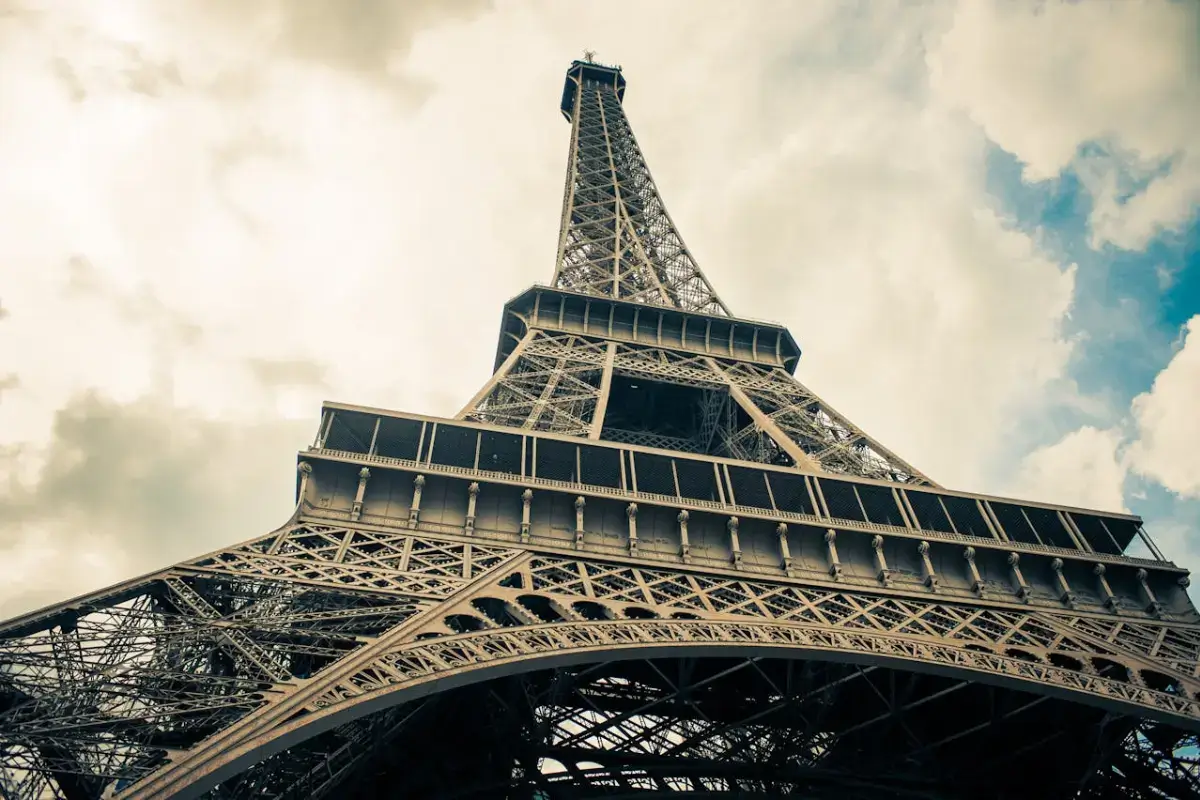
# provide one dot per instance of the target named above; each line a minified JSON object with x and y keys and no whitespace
{"x":223,"y":660}
{"x":671,"y":727}
{"x":556,"y":383}
{"x":103,"y":691}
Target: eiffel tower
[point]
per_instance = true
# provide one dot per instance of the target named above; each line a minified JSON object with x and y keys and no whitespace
{"x":642,"y":561}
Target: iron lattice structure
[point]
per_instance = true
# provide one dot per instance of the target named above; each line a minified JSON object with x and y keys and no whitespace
{"x":642,"y":561}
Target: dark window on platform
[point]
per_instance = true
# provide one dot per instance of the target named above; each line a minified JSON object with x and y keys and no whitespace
{"x":664,"y":415}
{"x":556,"y":460}
{"x":600,"y":466}
{"x":637,"y":405}
{"x":966,"y":516}
{"x":743,"y":338}
{"x":455,"y":446}
{"x":1049,"y":527}
{"x":1123,"y":530}
{"x":749,"y":488}
{"x":654,"y":474}
{"x":623,"y":321}
{"x":350,"y":432}
{"x":696,"y":480}
{"x":573,"y":311}
{"x":790,"y":493}
{"x":647,"y":327}
{"x":398,"y":438}
{"x":930,"y":514}
{"x":1016,"y":527}
{"x":842,"y":502}
{"x":500,"y":452}
{"x":880,"y":505}
{"x":1094,"y":532}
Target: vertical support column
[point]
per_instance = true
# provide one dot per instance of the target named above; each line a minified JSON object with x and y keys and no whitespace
{"x":597,"y":424}
{"x":764,"y":422}
{"x":973,"y":576}
{"x":364,"y":475}
{"x":472,"y":498}
{"x":993,"y":524}
{"x":735,"y":542}
{"x":526,"y":501}
{"x":1111,"y":601}
{"x":1060,"y":581}
{"x":631,"y":512}
{"x":305,"y":470}
{"x":323,"y":432}
{"x":414,"y":511}
{"x":499,"y":375}
{"x":685,"y":547}
{"x":882,"y":573}
{"x":1014,"y":566}
{"x":906,"y":501}
{"x":1146,"y":540}
{"x":835,"y":566}
{"x":580,"y":502}
{"x":927,"y":574}
{"x":1152,"y":604}
{"x":909,"y":522}
{"x":784,"y":552}
{"x":374,"y":436}
{"x":1076,"y":535}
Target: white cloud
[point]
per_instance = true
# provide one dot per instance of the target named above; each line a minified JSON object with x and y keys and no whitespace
{"x":924,"y":316}
{"x":1082,"y":469}
{"x":1168,"y":421}
{"x":1044,"y":78}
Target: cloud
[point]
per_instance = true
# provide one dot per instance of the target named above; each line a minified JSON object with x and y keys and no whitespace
{"x":288,"y":372}
{"x":924,"y":315}
{"x":1082,"y":469}
{"x":1168,"y":444}
{"x":122,"y":489}
{"x":1044,"y":79}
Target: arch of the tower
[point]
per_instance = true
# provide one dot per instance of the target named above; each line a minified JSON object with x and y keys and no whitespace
{"x":623,"y":699}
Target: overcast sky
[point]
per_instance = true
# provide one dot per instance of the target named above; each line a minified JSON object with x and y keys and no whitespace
{"x":978,"y":219}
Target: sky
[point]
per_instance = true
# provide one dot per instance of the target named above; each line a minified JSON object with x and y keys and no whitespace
{"x":979,"y":219}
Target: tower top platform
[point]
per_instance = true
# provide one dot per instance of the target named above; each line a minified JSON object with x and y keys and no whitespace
{"x":581,"y":71}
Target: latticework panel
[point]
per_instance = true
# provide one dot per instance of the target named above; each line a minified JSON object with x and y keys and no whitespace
{"x":554,"y":385}
{"x":617,"y":239}
{"x":739,"y":727}
{"x":109,"y":690}
{"x":1114,"y":657}
{"x":539,"y":612}
{"x":99,"y":693}
{"x":154,"y":685}
{"x":826,"y":436}
{"x":555,"y":382}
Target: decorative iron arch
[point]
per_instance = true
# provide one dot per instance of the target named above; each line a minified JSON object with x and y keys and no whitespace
{"x":421,"y":668}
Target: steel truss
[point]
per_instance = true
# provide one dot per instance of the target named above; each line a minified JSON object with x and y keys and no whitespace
{"x":685,"y":726}
{"x":163,"y":684}
{"x":616,"y":238}
{"x":560,"y":382}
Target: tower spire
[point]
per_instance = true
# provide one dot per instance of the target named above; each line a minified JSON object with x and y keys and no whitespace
{"x":634,"y":345}
{"x":616,"y":238}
